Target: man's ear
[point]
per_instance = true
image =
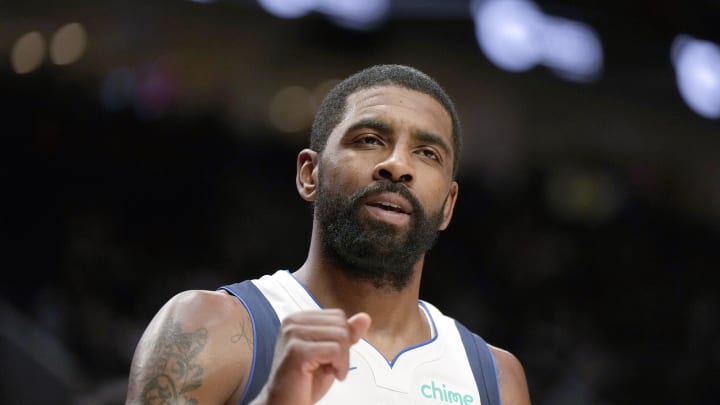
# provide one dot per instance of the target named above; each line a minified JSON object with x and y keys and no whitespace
{"x":449,"y":206}
{"x":307,"y":171}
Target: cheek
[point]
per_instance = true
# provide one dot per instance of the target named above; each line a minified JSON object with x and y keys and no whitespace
{"x":345,"y":170}
{"x":338,"y":179}
{"x":436,"y":195}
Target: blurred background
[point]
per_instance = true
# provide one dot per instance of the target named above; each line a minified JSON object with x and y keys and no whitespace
{"x":149,"y":147}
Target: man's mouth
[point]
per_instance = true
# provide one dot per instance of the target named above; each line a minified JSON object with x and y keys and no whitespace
{"x":390,"y":201}
{"x":389,"y":207}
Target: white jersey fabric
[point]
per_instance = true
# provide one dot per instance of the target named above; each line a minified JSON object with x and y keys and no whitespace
{"x":434,"y":372}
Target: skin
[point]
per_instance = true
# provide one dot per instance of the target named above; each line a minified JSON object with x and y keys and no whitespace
{"x":198,"y":348}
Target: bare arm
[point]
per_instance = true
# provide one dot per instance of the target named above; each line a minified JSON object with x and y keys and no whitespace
{"x":197,"y":349}
{"x":511,"y":376}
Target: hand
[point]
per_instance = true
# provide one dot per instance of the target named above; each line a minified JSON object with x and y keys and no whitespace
{"x":313,"y":350}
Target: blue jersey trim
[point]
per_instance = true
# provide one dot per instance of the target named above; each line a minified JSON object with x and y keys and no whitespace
{"x":254,"y":357}
{"x":482,"y":363}
{"x":268,"y":327}
{"x":306,"y":290}
{"x":435,"y":333}
{"x":495,"y":373}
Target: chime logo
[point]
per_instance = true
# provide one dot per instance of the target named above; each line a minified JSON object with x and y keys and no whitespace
{"x":440,"y":392}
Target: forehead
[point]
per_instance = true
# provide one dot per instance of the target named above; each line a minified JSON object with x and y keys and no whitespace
{"x":398,"y":106}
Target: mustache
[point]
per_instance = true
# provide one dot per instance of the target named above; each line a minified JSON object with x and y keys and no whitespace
{"x":388,"y":186}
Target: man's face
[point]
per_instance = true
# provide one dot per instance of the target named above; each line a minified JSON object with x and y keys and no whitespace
{"x":385,"y":185}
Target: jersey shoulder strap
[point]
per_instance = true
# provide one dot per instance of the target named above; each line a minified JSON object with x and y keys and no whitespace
{"x":482,"y":364}
{"x":265,"y":326}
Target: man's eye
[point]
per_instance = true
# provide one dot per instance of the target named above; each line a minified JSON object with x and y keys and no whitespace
{"x":370,"y":140}
{"x":429,"y":153}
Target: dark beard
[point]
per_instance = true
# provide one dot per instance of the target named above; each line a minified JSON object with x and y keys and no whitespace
{"x":369,"y":250}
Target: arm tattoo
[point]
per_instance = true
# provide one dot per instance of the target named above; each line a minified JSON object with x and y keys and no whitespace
{"x":173,"y":370}
{"x":243,"y":335}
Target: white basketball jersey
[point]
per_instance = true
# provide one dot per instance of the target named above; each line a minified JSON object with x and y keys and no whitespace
{"x":434,"y":372}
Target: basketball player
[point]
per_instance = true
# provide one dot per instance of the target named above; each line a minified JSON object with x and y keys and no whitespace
{"x":347,"y":327}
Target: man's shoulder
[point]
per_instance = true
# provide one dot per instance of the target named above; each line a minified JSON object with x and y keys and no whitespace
{"x":511,"y":377}
{"x":208,"y":334}
{"x":203,"y":309}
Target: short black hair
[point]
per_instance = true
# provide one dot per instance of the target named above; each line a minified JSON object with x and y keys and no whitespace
{"x":332,"y":109}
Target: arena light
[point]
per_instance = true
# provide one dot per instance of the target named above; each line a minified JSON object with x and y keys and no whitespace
{"x":28,"y":53}
{"x":291,"y":109}
{"x":508,"y":33}
{"x":516,"y":36}
{"x":355,"y":14}
{"x":571,"y":49}
{"x":697,"y":71}
{"x":352,"y":14}
{"x":288,"y":8}
{"x":68,"y":44}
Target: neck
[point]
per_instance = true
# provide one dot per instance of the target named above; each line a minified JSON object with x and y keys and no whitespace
{"x":336,"y":289}
{"x":397,"y":321}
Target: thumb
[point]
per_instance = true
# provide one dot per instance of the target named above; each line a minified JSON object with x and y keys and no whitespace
{"x":359,"y":325}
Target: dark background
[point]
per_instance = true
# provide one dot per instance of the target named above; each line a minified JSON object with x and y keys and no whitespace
{"x":585,"y":239}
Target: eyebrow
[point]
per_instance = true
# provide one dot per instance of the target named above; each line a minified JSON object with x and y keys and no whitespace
{"x":370,"y":123}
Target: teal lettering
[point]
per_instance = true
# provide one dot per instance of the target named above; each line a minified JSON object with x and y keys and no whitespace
{"x":440,"y":392}
{"x":436,"y":391}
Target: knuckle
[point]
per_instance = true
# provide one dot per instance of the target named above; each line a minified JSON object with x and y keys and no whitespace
{"x":291,"y":329}
{"x":294,"y":346}
{"x":336,"y":311}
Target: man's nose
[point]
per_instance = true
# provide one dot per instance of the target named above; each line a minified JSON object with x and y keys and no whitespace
{"x":397,"y":167}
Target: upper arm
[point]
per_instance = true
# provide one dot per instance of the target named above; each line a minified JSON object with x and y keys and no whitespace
{"x":197,"y":349}
{"x":511,"y":377}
